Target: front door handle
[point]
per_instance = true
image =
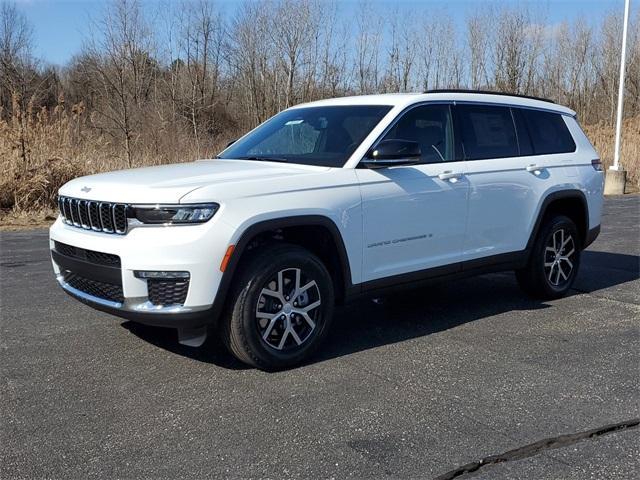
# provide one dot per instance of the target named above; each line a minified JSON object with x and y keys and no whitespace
{"x":449,"y":175}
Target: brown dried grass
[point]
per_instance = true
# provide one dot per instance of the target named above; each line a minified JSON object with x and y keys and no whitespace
{"x":41,"y":150}
{"x":602,"y":137}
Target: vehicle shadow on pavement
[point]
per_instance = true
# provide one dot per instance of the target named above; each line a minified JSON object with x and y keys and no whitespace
{"x":367,"y":324}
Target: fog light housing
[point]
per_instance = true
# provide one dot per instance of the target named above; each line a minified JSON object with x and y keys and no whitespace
{"x":161,"y":275}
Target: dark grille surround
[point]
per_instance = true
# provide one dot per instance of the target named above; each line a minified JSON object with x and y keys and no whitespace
{"x":106,"y":291}
{"x":167,"y":292}
{"x":92,"y":256}
{"x":97,"y":216}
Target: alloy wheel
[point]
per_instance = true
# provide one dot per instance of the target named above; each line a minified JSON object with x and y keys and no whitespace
{"x":559,"y":257}
{"x":288,"y":310}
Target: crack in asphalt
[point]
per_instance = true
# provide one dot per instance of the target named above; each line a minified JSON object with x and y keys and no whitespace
{"x":538,"y":447}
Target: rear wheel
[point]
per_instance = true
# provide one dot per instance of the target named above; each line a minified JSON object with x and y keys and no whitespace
{"x":554,"y":260}
{"x":280,"y":308}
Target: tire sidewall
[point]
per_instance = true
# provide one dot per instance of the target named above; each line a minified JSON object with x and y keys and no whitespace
{"x":263,"y":271}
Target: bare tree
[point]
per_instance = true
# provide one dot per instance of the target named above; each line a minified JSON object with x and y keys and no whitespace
{"x":401,"y":54}
{"x":333,"y":56}
{"x":367,"y":49}
{"x":509,"y":51}
{"x":291,"y":34}
{"x":478,"y":31}
{"x":200,"y":51}
{"x":119,"y":59}
{"x":17,"y":68}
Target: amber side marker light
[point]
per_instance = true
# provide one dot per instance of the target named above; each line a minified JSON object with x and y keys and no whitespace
{"x":227,"y":257}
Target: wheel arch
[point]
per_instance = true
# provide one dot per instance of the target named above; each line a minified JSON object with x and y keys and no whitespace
{"x":317,"y":233}
{"x":572,"y":203}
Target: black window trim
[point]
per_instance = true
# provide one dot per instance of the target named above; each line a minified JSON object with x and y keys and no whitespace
{"x":515,"y":129}
{"x":526,"y":132}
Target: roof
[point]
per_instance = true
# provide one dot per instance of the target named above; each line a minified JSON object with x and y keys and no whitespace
{"x":406,"y":99}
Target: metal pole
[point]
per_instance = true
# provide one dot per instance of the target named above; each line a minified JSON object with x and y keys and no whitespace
{"x":616,"y":155}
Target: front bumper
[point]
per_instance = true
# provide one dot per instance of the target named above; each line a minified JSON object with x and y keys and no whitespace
{"x":197,"y":249}
{"x":172,"y":317}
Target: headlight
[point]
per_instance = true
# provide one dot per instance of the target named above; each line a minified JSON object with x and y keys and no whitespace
{"x":173,"y":214}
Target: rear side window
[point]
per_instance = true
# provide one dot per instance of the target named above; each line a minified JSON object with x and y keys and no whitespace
{"x":548,"y":132}
{"x":487,"y":132}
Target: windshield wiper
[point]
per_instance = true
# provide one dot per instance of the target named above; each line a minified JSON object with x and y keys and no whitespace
{"x":265,"y":159}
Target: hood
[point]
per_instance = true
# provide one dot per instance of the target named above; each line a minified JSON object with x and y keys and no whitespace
{"x":169,"y":183}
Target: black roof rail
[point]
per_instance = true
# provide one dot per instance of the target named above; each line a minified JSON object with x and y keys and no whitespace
{"x":488,"y":92}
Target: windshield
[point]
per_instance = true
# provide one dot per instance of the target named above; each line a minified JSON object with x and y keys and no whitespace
{"x":322,"y":136}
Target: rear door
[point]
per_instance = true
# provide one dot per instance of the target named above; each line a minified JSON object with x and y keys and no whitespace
{"x":505,"y":179}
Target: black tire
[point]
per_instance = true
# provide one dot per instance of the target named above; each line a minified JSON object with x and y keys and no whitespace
{"x":539,"y":277}
{"x":243,"y":332}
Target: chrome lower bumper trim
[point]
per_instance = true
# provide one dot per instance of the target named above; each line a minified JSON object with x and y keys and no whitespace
{"x":86,"y":296}
{"x":134,"y":305}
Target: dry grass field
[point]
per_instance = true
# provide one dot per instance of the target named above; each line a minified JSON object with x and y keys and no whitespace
{"x":44,"y":150}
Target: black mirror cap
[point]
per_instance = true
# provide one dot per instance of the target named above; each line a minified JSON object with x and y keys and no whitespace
{"x":393,"y":153}
{"x":396,"y":149}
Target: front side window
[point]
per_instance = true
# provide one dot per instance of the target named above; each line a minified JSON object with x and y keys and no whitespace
{"x":431,"y":126}
{"x":322,"y":136}
{"x":487,"y":132}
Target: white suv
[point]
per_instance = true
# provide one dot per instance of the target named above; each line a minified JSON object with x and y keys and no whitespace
{"x":328,"y":201}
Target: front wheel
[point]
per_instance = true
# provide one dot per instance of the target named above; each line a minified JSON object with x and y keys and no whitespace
{"x":554,"y":261}
{"x":280,"y":309}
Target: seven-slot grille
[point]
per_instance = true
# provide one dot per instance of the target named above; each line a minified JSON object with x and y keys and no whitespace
{"x":97,"y":216}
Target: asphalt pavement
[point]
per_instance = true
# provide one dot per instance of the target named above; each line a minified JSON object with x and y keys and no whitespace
{"x":469,"y":379}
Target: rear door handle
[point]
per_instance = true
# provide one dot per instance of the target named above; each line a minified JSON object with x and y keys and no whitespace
{"x":535,"y":169}
{"x":449,"y":175}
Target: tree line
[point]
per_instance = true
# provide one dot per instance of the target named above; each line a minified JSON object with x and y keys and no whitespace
{"x":191,"y":76}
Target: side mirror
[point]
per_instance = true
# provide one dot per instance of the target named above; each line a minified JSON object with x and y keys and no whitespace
{"x":390,"y":153}
{"x":230,"y":143}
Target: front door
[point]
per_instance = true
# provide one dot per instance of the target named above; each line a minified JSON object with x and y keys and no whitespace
{"x":414,"y":216}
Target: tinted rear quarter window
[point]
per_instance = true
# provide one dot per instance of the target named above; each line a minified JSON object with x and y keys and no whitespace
{"x":487,"y":132}
{"x":548,"y":132}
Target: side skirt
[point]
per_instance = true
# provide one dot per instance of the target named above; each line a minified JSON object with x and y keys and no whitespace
{"x":492,"y":264}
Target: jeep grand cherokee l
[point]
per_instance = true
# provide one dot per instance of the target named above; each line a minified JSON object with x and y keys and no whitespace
{"x":329,"y":201}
